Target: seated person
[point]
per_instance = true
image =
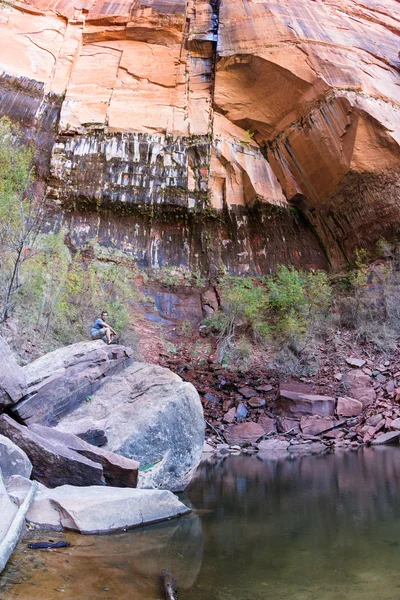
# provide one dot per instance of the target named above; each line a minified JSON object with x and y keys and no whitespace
{"x":101,"y":330}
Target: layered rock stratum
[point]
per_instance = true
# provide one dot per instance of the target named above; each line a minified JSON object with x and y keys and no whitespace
{"x":185,"y":132}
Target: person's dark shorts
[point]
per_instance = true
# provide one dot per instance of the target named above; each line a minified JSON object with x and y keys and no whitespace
{"x":99,"y":334}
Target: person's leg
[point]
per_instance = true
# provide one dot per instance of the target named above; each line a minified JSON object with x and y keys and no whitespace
{"x":99,"y":334}
{"x":108,"y":335}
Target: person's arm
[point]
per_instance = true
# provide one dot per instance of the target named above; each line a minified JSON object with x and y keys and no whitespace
{"x":109,"y":327}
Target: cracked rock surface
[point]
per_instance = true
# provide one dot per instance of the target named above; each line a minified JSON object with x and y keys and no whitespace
{"x":150,"y":415}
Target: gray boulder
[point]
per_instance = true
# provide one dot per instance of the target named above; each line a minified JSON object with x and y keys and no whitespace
{"x":151,"y":415}
{"x":12,"y":377}
{"x":13,"y":460}
{"x":96,"y":509}
{"x":60,"y":381}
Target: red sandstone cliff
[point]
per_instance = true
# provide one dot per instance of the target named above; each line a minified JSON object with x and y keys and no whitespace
{"x":241,"y":106}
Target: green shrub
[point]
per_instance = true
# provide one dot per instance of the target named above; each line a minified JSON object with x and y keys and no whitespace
{"x":20,"y":212}
{"x":65,"y":295}
{"x":279,"y":311}
{"x":297,"y":301}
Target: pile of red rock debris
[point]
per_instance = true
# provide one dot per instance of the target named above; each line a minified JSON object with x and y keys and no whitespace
{"x":255,"y":411}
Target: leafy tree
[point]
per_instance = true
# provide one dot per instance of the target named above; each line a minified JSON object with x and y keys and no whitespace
{"x":20,"y":211}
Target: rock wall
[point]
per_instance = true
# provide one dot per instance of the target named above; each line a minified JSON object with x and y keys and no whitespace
{"x":245,"y":241}
{"x":162,"y":125}
{"x":317,"y":83}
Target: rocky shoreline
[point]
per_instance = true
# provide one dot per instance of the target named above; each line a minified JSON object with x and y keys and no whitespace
{"x":95,"y":428}
{"x":92,"y":441}
{"x":351,"y":402}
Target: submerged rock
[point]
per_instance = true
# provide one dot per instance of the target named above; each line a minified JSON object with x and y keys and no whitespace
{"x":313,"y":448}
{"x":273,"y":449}
{"x":273,"y":445}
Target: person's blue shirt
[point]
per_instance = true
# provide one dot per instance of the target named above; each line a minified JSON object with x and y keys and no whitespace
{"x":98,"y":331}
{"x":99,"y":324}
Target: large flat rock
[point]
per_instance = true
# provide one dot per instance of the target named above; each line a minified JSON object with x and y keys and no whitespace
{"x":12,"y":377}
{"x":314,"y":424}
{"x":96,"y":509}
{"x":391,"y":437}
{"x":60,"y":458}
{"x":60,"y":381}
{"x":150,"y":415}
{"x":297,"y":404}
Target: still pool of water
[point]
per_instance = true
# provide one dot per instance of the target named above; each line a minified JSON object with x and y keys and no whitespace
{"x":311,"y":528}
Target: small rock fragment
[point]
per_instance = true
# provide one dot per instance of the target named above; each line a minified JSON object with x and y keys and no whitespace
{"x":264,"y":388}
{"x":247,"y":392}
{"x":256,"y":402}
{"x":211,"y":398}
{"x":355,"y":362}
{"x":229,"y":417}
{"x":241,"y":412}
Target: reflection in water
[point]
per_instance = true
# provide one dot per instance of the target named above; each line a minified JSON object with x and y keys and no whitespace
{"x":108,"y":567}
{"x":309,"y":528}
